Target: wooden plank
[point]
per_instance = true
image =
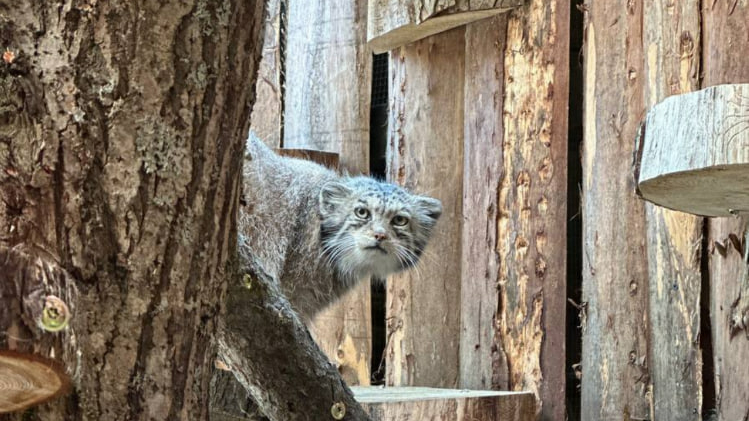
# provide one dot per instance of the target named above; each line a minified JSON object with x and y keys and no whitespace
{"x":423,"y":306}
{"x":514,"y":234}
{"x":709,"y":174}
{"x":267,"y":112}
{"x":395,"y":23}
{"x":421,"y":403}
{"x":328,"y":74}
{"x":724,"y":26}
{"x":671,"y":38}
{"x":615,"y":266}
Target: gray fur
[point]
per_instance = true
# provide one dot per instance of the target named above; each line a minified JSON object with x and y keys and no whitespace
{"x":300,"y":223}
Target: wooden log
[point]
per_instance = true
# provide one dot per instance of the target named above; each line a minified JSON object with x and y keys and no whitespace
{"x":615,"y":266}
{"x":425,"y":154}
{"x":670,"y":37}
{"x":694,"y":154}
{"x":37,"y":302}
{"x":429,"y":404}
{"x":394,"y":23}
{"x":724,"y":28}
{"x":328,"y":78}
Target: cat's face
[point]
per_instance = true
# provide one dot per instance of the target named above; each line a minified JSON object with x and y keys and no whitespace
{"x":370,"y":228}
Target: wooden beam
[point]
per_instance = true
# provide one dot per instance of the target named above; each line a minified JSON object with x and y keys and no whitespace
{"x":423,"y":403}
{"x":694,"y":155}
{"x":394,"y":23}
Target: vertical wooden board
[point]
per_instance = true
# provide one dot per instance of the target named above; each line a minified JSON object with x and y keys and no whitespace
{"x":267,"y":112}
{"x":671,"y":40}
{"x":425,"y":154}
{"x":328,"y":78}
{"x":482,"y":365}
{"x":615,"y":268}
{"x":725,"y":61}
{"x":532,"y":204}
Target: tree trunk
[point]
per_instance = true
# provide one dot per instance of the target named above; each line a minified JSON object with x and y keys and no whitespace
{"x":724,"y":28}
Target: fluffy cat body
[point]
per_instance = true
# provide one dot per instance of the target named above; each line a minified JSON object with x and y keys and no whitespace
{"x":319,"y":233}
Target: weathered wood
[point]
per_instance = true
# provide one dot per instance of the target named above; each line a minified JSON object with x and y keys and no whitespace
{"x":694,"y":154}
{"x":615,"y":267}
{"x":395,"y":23}
{"x":670,"y":37}
{"x":328,"y":78}
{"x":328,"y":159}
{"x":428,"y":404}
{"x":121,"y":138}
{"x":425,"y":154}
{"x":724,"y":28}
{"x":267,"y":112}
{"x":37,"y":302}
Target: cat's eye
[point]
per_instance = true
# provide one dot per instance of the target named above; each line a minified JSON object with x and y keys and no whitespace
{"x":361,"y":212}
{"x":400,"y":220}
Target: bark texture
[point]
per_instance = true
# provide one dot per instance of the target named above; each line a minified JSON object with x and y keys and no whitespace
{"x":423,"y":305}
{"x":395,"y":23}
{"x":329,"y":73}
{"x":724,"y":28}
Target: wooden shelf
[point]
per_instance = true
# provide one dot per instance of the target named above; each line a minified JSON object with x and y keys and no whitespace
{"x":424,"y":403}
{"x":693,"y":152}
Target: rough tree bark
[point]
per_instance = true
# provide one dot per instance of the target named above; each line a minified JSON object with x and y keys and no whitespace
{"x":121,"y":139}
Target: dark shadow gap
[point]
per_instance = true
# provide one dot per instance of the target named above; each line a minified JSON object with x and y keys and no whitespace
{"x":574,"y":214}
{"x":706,"y":331}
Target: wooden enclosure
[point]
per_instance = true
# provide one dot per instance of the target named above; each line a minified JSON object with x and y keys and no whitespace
{"x":478,"y":117}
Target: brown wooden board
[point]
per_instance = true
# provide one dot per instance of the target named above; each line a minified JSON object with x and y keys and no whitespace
{"x":430,"y":404}
{"x":327,"y":102}
{"x":725,"y":60}
{"x":425,"y":154}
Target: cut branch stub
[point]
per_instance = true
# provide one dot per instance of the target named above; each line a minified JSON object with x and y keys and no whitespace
{"x":393,"y":23}
{"x":694,"y":152}
{"x":37,"y":345}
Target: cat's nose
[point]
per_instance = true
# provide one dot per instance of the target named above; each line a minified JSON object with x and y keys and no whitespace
{"x":380,"y":236}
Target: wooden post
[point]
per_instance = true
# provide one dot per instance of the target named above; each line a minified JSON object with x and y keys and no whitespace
{"x":724,"y":28}
{"x":328,"y":74}
{"x":671,"y":35}
{"x":425,"y":154}
{"x":395,"y":23}
{"x":615,"y":266}
{"x":514,"y":234}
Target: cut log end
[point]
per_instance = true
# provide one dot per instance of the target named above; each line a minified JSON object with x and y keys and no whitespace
{"x":694,"y":156}
{"x":29,"y":380}
{"x":712,"y":191}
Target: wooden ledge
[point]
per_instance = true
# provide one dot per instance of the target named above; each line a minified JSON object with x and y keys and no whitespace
{"x":693,"y":152}
{"x":326,"y":159}
{"x":28,"y":380}
{"x":424,"y":403}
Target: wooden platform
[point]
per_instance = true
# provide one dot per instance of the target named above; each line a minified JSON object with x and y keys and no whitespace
{"x":428,"y":404}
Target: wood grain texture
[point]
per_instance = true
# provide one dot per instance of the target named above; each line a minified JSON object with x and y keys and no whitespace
{"x":615,"y":266}
{"x":671,"y":41}
{"x":266,"y":118}
{"x":531,"y":202}
{"x":328,"y":82}
{"x":429,"y":404}
{"x":709,"y":174}
{"x":724,"y":28}
{"x":395,"y":23}
{"x":425,"y":154}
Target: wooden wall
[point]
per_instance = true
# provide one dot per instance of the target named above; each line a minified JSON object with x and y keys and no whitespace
{"x":649,"y":273}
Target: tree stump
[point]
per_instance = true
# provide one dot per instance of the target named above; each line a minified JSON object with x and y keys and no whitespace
{"x":36,"y":304}
{"x":693,"y":152}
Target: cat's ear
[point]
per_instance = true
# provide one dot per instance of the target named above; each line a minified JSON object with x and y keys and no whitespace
{"x":430,"y":207}
{"x":332,"y":195}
